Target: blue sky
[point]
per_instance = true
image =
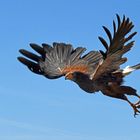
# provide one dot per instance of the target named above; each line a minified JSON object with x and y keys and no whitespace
{"x":34,"y":108}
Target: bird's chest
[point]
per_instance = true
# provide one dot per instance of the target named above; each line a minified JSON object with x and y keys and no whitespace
{"x":88,"y":86}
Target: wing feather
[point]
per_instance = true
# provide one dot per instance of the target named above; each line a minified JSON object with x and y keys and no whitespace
{"x":58,"y":60}
{"x":118,"y":45}
{"x":34,"y":67}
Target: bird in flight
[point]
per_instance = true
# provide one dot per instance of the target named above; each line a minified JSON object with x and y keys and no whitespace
{"x":94,"y":71}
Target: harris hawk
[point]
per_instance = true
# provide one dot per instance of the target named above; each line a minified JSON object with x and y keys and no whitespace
{"x":94,"y":71}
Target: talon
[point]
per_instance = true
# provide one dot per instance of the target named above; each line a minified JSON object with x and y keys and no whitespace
{"x":137,"y":103}
{"x":135,"y":108}
{"x":138,"y":106}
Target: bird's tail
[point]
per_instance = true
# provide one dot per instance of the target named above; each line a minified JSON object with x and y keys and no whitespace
{"x":127,"y":70}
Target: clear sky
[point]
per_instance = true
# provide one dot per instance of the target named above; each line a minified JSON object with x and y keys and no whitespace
{"x":35,"y":108}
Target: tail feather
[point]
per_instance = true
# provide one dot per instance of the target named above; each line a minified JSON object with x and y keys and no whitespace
{"x":127,"y":70}
{"x":136,"y":67}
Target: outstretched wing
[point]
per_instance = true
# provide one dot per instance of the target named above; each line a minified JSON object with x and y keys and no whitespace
{"x":58,"y":60}
{"x":118,"y":45}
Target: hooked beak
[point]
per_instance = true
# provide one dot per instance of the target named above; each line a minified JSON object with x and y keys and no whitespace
{"x":69,"y":76}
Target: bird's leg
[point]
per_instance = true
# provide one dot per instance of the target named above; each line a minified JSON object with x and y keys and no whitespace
{"x":135,"y":107}
{"x":138,"y":103}
{"x":113,"y":90}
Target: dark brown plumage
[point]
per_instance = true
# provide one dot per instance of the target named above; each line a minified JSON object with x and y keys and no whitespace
{"x":93,"y":72}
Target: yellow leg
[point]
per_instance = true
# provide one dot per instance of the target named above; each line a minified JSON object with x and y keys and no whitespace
{"x":135,"y":107}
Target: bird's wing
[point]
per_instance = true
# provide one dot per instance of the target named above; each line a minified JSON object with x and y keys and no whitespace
{"x":58,"y":60}
{"x":118,"y":45}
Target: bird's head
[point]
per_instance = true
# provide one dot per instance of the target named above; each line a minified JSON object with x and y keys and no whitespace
{"x":76,"y":76}
{"x":70,"y":76}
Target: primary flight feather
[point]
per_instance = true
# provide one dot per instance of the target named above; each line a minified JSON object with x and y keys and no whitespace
{"x":93,"y":72}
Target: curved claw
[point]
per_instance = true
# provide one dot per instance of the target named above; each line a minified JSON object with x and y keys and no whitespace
{"x":135,"y":108}
{"x":137,"y":103}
